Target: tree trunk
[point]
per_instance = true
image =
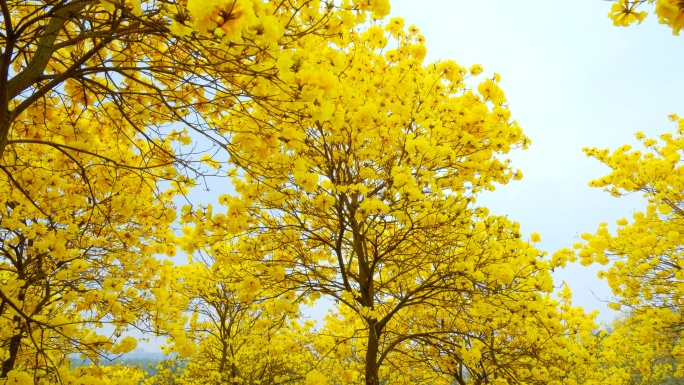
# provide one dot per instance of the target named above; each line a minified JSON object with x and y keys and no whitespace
{"x":15,"y":343}
{"x":5,"y":125}
{"x":372,"y":350}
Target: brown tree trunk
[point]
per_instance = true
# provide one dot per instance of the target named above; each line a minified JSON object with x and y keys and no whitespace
{"x":13,"y":350}
{"x":372,"y":351}
{"x":15,"y":341}
{"x":5,"y":126}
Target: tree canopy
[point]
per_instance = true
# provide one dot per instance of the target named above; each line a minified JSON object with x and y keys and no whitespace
{"x":627,"y":12}
{"x":350,"y":170}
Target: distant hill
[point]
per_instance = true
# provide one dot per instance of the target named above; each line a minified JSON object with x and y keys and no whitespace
{"x":139,"y":357}
{"x":142,"y":353}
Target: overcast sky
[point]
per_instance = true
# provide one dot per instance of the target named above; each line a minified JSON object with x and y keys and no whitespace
{"x":573,"y":80}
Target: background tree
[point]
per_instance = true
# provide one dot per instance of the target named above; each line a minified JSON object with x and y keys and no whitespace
{"x":631,"y":350}
{"x":243,"y":324}
{"x":644,"y":256}
{"x":537,"y":342}
{"x":540,"y":341}
{"x":76,"y":252}
{"x":646,"y":252}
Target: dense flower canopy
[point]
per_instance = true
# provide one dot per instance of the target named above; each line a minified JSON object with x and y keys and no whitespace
{"x":350,"y":170}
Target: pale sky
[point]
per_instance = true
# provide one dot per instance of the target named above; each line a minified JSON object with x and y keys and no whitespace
{"x":573,"y":80}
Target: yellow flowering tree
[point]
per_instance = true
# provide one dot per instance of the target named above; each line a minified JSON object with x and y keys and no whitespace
{"x":241,"y":324}
{"x":669,"y":12}
{"x":644,"y":254}
{"x":97,"y":99}
{"x":161,"y":65}
{"x":541,"y":341}
{"x":632,"y":350}
{"x":363,"y":190}
{"x":79,"y":236}
{"x":537,"y":341}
